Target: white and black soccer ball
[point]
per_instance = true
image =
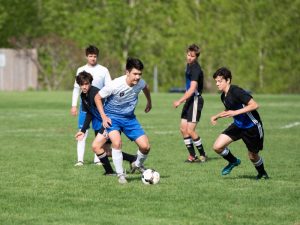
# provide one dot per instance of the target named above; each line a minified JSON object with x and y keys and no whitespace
{"x":150,"y":176}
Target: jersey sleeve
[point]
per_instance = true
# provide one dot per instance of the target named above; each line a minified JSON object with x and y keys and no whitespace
{"x":196,"y":73}
{"x":76,"y":92}
{"x":107,"y":78}
{"x":106,"y":91}
{"x":242,"y":95}
{"x":87,"y":121}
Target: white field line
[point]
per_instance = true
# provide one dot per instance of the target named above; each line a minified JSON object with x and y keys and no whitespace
{"x":290,"y":125}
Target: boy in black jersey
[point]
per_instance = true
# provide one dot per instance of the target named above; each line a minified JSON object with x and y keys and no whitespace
{"x":193,"y":104}
{"x":99,"y":145}
{"x":247,"y":124}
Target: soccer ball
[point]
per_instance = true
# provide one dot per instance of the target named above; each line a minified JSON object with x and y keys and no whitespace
{"x":150,"y":176}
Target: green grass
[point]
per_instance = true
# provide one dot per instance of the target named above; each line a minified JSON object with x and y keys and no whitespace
{"x":40,"y":185}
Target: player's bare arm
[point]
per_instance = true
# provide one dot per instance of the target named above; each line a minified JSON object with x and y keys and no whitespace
{"x":187,"y":94}
{"x":146,"y":92}
{"x":106,"y":121}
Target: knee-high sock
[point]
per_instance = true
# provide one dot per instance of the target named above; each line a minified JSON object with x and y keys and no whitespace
{"x":128,"y":157}
{"x":140,"y":158}
{"x":198,"y":143}
{"x":81,"y":147}
{"x":117,"y":158}
{"x":105,"y":162}
{"x":259,"y":166}
{"x":189,"y":145}
{"x":226,"y":154}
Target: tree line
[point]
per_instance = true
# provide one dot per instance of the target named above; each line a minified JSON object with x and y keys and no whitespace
{"x":257,"y":39}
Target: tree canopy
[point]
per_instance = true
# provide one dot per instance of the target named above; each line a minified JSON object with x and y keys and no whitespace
{"x":257,"y":39}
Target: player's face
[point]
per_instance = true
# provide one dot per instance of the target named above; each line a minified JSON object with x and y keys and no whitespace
{"x":91,"y":59}
{"x":85,"y":87}
{"x":191,"y":57}
{"x":133,"y":77}
{"x":222,"y":84}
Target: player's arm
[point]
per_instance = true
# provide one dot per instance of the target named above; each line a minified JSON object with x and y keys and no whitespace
{"x":251,"y":105}
{"x":75,"y":96}
{"x":187,"y":94}
{"x":146,"y":91}
{"x":106,"y":121}
{"x":80,"y":134}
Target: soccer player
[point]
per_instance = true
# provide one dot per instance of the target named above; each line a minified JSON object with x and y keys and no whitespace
{"x":247,"y":124}
{"x":101,"y":77}
{"x":192,"y":108}
{"x":100,"y":143}
{"x":118,"y":115}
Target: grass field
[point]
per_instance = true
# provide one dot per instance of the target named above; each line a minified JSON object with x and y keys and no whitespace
{"x":40,"y":185}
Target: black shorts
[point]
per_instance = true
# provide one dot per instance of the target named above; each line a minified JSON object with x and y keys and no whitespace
{"x":253,"y":137}
{"x":192,"y":109}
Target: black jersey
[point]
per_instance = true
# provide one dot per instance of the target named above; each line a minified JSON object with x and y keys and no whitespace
{"x":88,"y":105}
{"x":194,"y":72}
{"x":238,"y":98}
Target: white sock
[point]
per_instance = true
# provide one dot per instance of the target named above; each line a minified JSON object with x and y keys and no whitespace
{"x":117,"y":158}
{"x":140,"y":158}
{"x":96,"y":159}
{"x":81,"y":147}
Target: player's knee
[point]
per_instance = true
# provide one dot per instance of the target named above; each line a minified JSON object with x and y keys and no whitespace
{"x":117,"y":144}
{"x":218,"y":148}
{"x":145,"y":149}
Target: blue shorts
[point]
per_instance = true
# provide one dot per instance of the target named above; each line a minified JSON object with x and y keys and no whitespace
{"x":97,"y":124}
{"x":129,"y":126}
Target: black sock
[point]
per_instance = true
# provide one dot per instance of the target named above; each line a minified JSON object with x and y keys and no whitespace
{"x":105,"y":163}
{"x":128,"y":157}
{"x":189,"y":145}
{"x":226,"y":154}
{"x":259,"y":166}
{"x":199,"y":146}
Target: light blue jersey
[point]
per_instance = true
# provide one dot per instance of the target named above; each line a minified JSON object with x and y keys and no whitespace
{"x":121,"y":99}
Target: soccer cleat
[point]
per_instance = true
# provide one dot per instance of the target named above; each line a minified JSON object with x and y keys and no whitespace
{"x":192,"y":159}
{"x":97,"y":163}
{"x":227,"y":169}
{"x":202,"y":158}
{"x":134,"y":168}
{"x":79,"y":163}
{"x":122,"y":179}
{"x":262,"y":175}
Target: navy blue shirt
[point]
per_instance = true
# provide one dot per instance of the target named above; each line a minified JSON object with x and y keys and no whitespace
{"x":194,"y":72}
{"x":88,"y":105}
{"x":238,"y":98}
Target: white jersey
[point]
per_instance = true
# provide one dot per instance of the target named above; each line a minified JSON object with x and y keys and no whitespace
{"x":121,"y":99}
{"x":100,"y":75}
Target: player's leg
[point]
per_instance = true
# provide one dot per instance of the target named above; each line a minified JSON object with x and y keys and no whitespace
{"x":98,"y":146}
{"x":253,"y":138}
{"x":97,"y":125}
{"x":117,"y":156}
{"x":221,"y":147}
{"x":188,"y":141}
{"x":142,"y":153}
{"x":197,"y":141}
{"x":194,"y":115}
{"x":81,"y":143}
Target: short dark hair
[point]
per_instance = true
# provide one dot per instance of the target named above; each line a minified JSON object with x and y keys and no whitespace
{"x":91,"y":49}
{"x":194,"y":48}
{"x":223,"y":72}
{"x":84,"y":77}
{"x":134,"y":63}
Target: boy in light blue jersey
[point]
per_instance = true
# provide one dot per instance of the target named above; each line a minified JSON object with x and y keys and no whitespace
{"x":118,"y":115}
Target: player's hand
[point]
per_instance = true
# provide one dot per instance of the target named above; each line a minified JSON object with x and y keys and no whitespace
{"x":79,"y":136}
{"x":176,"y":104}
{"x":74,"y":111}
{"x":148,"y":107}
{"x":106,"y":122}
{"x":213,"y":120}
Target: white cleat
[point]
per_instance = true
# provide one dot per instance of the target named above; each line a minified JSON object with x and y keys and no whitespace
{"x":122,"y":179}
{"x":79,"y":163}
{"x":97,"y":163}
